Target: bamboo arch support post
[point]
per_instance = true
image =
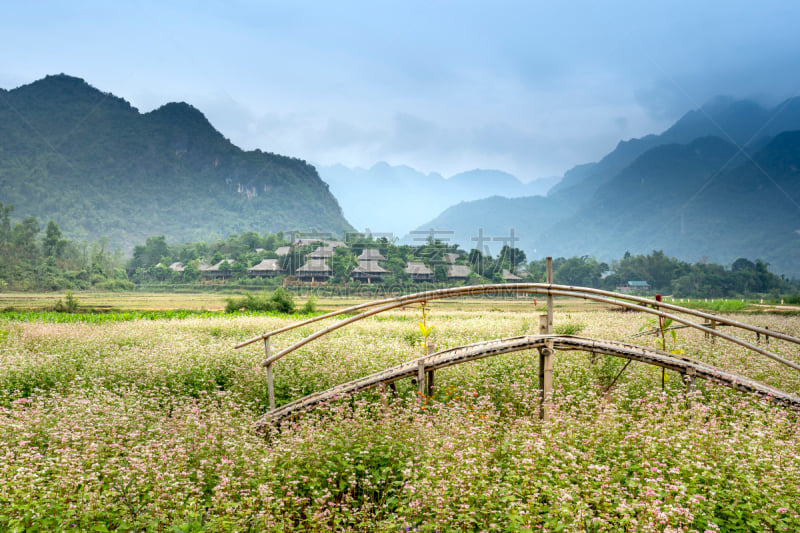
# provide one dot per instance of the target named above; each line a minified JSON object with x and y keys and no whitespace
{"x":546,"y":356}
{"x":425,"y":374}
{"x":270,"y":384}
{"x":549,"y":262}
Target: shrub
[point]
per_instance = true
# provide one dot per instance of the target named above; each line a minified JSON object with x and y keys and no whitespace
{"x":69,"y":305}
{"x":248,"y":302}
{"x":279,"y":301}
{"x":310,"y":306}
{"x":282,"y":301}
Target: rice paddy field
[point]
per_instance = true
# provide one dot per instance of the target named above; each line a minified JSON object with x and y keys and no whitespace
{"x":124,"y":424}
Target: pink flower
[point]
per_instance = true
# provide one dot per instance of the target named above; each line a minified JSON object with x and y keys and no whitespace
{"x":782,"y":510}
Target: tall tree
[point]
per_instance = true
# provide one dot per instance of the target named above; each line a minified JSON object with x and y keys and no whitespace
{"x":24,"y":237}
{"x":52,"y":244}
{"x":342,"y":263}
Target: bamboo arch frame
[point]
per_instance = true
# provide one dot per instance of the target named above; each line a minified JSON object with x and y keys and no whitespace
{"x":549,"y":289}
{"x":472,"y":352}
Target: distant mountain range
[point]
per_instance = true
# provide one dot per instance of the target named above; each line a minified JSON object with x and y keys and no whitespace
{"x":96,"y":166}
{"x":722,"y":183}
{"x":395,"y":199}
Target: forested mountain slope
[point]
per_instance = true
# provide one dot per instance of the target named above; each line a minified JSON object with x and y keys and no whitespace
{"x":98,"y":167}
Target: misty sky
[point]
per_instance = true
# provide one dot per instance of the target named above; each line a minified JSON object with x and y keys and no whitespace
{"x":528,"y":87}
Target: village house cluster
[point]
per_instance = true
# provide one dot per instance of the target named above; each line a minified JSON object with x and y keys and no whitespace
{"x":317,"y":268}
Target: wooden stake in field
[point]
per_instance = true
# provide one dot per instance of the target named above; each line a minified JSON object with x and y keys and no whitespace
{"x":546,"y":353}
{"x":270,"y":386}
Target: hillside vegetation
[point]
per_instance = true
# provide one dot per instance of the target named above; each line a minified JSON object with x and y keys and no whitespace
{"x":98,"y":167}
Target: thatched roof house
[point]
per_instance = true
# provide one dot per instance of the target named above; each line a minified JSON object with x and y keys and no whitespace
{"x":175,"y":267}
{"x":450,"y":259}
{"x":371,"y":254}
{"x":510,"y":276}
{"x":458,"y":272}
{"x":217,"y":272}
{"x":368,"y":271}
{"x":314,"y":270}
{"x":418,"y":271}
{"x":323,"y":252}
{"x":634,"y":287}
{"x":265,"y":269}
{"x":283,"y":250}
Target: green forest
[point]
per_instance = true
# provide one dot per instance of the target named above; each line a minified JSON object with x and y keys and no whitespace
{"x":36,"y":258}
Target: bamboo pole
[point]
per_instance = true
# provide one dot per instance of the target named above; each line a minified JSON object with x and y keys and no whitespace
{"x":270,"y":385}
{"x":549,"y":262}
{"x":543,"y":323}
{"x":429,"y":349}
{"x":614,"y":381}
{"x":691,"y":385}
{"x":690,"y":324}
{"x":546,"y":379}
{"x":421,"y":388}
{"x":543,"y":320}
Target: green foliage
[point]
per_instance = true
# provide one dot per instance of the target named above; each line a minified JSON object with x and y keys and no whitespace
{"x":342,"y":263}
{"x":720,"y":306}
{"x":424,"y":329}
{"x":280,"y":301}
{"x":95,"y":317}
{"x":310,"y":306}
{"x":569,"y":328}
{"x":667,"y":275}
{"x":249,"y":302}
{"x":52,"y":244}
{"x":56,"y":263}
{"x":69,"y":305}
{"x":115,"y":285}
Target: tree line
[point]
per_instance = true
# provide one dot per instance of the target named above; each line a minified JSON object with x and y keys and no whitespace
{"x":33,"y":258}
{"x":32,"y":261}
{"x":663,"y":274}
{"x":669,"y":275}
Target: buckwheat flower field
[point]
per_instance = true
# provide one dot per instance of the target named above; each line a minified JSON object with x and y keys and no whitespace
{"x":147,"y":425}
